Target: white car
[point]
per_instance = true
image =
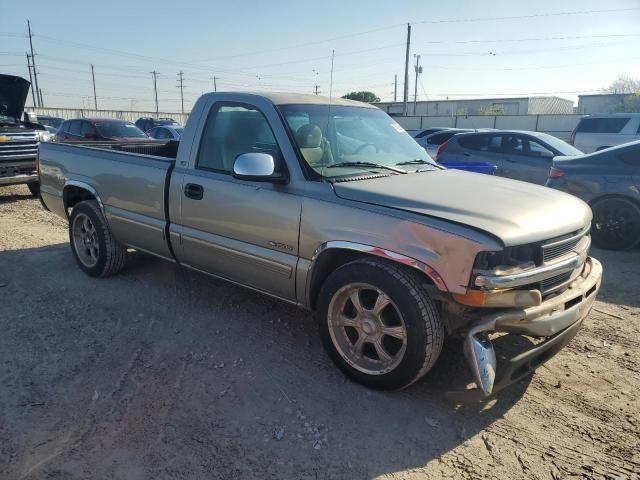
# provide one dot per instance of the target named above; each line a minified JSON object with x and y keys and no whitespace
{"x":600,"y":131}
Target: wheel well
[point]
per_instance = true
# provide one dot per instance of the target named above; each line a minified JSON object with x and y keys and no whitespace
{"x":614,"y":195}
{"x":332,"y":259}
{"x":73,"y":195}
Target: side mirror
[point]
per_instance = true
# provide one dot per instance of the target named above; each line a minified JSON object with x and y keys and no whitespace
{"x":258,"y":167}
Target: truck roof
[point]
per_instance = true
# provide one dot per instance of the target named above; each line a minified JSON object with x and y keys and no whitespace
{"x":285,"y":98}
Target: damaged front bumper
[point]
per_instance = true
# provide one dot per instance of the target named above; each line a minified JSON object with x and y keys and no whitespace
{"x":558,"y":318}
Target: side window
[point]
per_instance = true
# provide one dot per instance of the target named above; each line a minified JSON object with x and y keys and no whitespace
{"x":602,"y":125}
{"x":75,"y":127}
{"x":513,"y":144}
{"x":538,"y":150}
{"x":230,"y":131}
{"x":87,"y":128}
{"x":631,"y":157}
{"x":476,"y":142}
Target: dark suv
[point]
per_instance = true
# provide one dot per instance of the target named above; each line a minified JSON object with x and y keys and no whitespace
{"x":147,"y":123}
{"x":99,"y":130}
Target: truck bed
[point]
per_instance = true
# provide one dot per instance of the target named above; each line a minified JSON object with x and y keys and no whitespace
{"x":131,"y":184}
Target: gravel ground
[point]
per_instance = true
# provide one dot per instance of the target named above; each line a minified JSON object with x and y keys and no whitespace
{"x":160,"y":373}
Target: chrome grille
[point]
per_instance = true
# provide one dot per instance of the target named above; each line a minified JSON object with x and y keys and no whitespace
{"x":548,"y":285}
{"x":558,"y":248}
{"x":21,"y":146}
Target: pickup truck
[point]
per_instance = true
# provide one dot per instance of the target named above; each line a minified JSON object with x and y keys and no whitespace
{"x":332,"y":206}
{"x":18,"y":140}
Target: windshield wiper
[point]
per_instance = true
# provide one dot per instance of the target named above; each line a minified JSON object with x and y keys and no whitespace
{"x":366,"y":165}
{"x":419,"y":161}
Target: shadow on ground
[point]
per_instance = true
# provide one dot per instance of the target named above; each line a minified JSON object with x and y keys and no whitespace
{"x":164,"y":373}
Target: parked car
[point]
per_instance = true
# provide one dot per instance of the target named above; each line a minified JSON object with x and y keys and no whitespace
{"x":431,"y":143}
{"x":52,"y":124}
{"x":390,"y":250}
{"x":147,"y":123}
{"x":520,"y":155}
{"x":169,"y":132}
{"x":426,"y":132}
{"x":597,"y":132}
{"x":18,"y":139}
{"x":609,"y":181}
{"x":99,"y":130}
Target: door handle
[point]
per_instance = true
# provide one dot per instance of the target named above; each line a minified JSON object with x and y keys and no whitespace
{"x":194,"y":191}
{"x":466,"y":154}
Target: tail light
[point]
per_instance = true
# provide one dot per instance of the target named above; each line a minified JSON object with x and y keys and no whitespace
{"x":572,"y":137}
{"x":556,"y":172}
{"x":442,"y":148}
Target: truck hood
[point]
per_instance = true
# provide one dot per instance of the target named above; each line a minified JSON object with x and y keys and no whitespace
{"x":515,"y":212}
{"x":13,"y":95}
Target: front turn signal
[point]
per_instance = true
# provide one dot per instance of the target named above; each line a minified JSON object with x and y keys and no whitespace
{"x":499,"y":298}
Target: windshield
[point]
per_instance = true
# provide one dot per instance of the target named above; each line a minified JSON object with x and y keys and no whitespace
{"x":7,"y":118}
{"x":330,"y":135}
{"x":50,"y":121}
{"x":119,"y":129}
{"x":563,"y":147}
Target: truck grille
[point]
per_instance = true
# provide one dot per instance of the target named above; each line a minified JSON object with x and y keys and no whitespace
{"x":550,"y":284}
{"x":21,"y":146}
{"x":558,"y":248}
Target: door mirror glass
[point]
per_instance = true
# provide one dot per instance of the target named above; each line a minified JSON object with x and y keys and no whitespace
{"x":254,"y":166}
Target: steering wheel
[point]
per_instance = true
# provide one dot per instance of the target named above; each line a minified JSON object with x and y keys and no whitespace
{"x":365,"y":145}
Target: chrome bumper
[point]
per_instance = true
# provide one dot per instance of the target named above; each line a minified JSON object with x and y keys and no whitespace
{"x":17,"y":179}
{"x":558,"y":318}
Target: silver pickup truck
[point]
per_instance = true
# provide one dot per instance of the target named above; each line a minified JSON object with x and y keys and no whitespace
{"x":332,"y":206}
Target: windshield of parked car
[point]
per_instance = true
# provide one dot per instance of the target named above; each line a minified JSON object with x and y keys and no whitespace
{"x":563,"y":147}
{"x":50,"y":121}
{"x":7,"y":119}
{"x":178,"y":130}
{"x":340,"y":140}
{"x":118,"y":129}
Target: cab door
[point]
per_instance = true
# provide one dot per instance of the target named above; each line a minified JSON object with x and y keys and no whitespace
{"x":243,"y":231}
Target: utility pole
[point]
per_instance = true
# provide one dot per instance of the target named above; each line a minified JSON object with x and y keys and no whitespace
{"x":180,"y":74}
{"x":33,"y":62}
{"x":155,"y":88}
{"x":41,"y":101}
{"x":33,"y":92}
{"x":395,"y":87}
{"x":316,"y":89}
{"x":418,"y":69}
{"x":405,"y":97}
{"x":95,"y":97}
{"x":215,"y":86}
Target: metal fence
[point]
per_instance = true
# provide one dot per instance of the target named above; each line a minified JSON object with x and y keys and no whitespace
{"x":128,"y":115}
{"x":558,"y":125}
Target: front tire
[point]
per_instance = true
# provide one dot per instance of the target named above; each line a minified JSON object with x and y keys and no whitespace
{"x":98,"y":254}
{"x":616,"y":224}
{"x":378,"y":324}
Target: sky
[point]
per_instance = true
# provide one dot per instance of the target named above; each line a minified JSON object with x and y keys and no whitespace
{"x":468,"y":48}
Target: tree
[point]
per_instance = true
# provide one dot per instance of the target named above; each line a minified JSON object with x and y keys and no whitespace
{"x":623,"y":84}
{"x":630,"y":103}
{"x":364,"y":96}
{"x":492,"y":110}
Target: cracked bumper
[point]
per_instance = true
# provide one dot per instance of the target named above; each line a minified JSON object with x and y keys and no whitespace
{"x":558,"y":319}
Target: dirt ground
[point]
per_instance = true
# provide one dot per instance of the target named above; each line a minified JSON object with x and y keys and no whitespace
{"x":160,"y":373}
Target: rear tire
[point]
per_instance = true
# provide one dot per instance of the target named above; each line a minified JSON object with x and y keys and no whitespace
{"x":616,"y":224}
{"x":378,"y":324}
{"x":34,"y":188}
{"x":98,"y":254}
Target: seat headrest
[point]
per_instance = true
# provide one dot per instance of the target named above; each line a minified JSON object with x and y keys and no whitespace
{"x":309,"y":136}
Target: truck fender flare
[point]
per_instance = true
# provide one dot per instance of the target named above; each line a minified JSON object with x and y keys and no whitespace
{"x":377,"y":252}
{"x":84,"y":186}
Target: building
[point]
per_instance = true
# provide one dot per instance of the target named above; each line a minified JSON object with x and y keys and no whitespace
{"x":479,"y":106}
{"x":599,"y":103}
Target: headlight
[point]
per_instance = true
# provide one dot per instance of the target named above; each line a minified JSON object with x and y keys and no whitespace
{"x":44,"y":136}
{"x":505,"y":262}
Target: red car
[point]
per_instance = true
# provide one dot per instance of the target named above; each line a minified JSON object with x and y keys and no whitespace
{"x":99,"y":130}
